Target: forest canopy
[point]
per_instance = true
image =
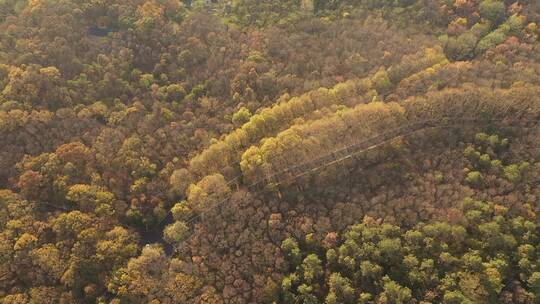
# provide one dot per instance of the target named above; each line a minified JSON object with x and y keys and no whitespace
{"x":294,"y":151}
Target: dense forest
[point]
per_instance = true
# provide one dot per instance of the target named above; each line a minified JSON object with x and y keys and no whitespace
{"x":291,"y":151}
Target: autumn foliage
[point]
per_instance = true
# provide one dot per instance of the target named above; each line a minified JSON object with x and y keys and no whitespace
{"x":299,"y":151}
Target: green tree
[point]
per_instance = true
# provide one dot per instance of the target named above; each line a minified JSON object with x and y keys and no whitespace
{"x":241,"y":116}
{"x":175,"y":233}
{"x":492,"y":10}
{"x":118,"y":246}
{"x":340,"y":291}
{"x":393,"y":293}
{"x":291,"y":251}
{"x":312,"y":268}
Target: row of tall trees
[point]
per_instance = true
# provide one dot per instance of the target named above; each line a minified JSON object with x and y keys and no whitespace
{"x":225,"y":154}
{"x":115,"y":115}
{"x":311,"y":140}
